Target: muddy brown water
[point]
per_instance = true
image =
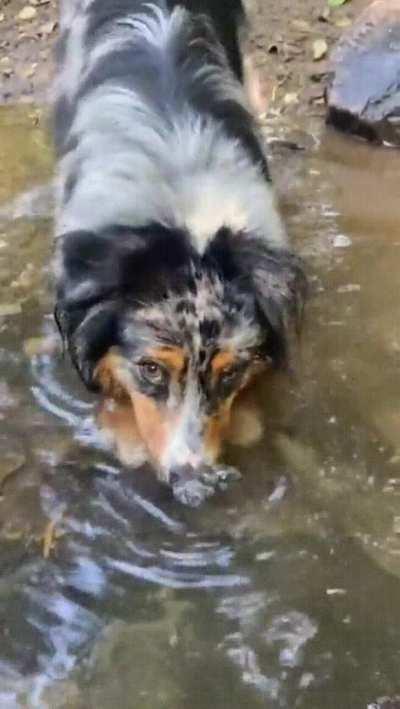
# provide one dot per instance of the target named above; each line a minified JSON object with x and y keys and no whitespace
{"x":282,"y":592}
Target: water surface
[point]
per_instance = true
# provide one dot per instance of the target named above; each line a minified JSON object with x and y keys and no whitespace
{"x":281,"y":593}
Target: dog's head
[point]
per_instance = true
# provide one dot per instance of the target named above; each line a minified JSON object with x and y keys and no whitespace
{"x":173,"y":334}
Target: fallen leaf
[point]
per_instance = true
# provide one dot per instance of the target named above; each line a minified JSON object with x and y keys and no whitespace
{"x":26,"y":277}
{"x":336,"y":3}
{"x":2,"y":16}
{"x":13,"y":535}
{"x":290,"y":98}
{"x":342,"y":22}
{"x":48,"y":538}
{"x":47,"y":28}
{"x":341,"y":241}
{"x":318,"y":71}
{"x":325,"y":15}
{"x":27,"y":13}
{"x":9,"y":465}
{"x":292,"y":49}
{"x":5,"y":66}
{"x":313,"y":93}
{"x":7,"y":398}
{"x":301,"y":25}
{"x":35,"y":346}
{"x":10,"y":309}
{"x":30,"y":72}
{"x":320,"y":49}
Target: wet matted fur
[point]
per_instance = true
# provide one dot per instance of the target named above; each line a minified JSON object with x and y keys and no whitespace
{"x":175,"y":283}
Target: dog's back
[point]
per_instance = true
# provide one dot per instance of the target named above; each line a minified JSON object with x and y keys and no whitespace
{"x":152,"y":123}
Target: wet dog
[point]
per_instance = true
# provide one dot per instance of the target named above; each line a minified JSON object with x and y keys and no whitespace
{"x":175,"y":284}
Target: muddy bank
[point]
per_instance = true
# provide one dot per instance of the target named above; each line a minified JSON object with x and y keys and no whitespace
{"x":290,"y":40}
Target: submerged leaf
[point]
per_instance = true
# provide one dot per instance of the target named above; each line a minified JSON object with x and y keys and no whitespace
{"x":320,"y":49}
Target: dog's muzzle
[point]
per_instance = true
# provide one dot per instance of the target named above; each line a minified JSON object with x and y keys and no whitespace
{"x":192,"y":486}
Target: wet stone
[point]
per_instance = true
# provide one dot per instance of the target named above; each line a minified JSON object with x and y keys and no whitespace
{"x":363,"y":95}
{"x":385,"y":703}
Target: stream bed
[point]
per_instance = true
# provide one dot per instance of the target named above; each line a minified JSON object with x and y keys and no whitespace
{"x":282,"y":592}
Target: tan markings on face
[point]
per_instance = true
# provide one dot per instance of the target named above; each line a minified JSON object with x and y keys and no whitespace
{"x":217,"y":429}
{"x":227,"y":423}
{"x":246,"y":427}
{"x":110,"y":376}
{"x":222,"y":361}
{"x":171,"y":357}
{"x":142,"y":421}
{"x":154,"y":423}
{"x":253,"y":371}
{"x":117,"y":420}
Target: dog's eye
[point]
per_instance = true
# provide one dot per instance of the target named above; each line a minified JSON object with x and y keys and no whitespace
{"x":152,"y":371}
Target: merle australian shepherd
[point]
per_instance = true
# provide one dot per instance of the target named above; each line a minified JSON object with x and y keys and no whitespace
{"x":175,"y":284}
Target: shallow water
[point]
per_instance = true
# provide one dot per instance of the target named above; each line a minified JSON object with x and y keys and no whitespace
{"x":281,"y":593}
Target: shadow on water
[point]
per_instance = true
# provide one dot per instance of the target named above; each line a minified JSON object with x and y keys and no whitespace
{"x":281,"y":593}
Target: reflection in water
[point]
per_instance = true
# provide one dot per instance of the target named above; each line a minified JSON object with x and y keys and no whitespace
{"x":282,"y":592}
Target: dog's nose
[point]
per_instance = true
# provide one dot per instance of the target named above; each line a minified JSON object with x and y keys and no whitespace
{"x":183,"y":473}
{"x":188,"y":486}
{"x":192,"y":486}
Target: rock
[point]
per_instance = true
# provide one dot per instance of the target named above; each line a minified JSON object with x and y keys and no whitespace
{"x":363,"y":95}
{"x":48,"y":28}
{"x":7,"y":309}
{"x":385,"y":703}
{"x":341,"y":241}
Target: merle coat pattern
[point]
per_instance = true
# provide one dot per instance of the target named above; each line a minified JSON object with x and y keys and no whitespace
{"x":175,"y":283}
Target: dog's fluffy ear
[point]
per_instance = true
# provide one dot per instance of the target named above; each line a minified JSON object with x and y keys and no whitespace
{"x":91,"y":266}
{"x":276,"y":279}
{"x":98,"y":274}
{"x":90,"y":270}
{"x":88,"y":333}
{"x":280,"y":287}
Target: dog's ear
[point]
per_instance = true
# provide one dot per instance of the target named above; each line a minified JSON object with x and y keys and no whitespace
{"x":88,"y":334}
{"x":89,"y":271}
{"x":276,"y":279}
{"x":98,"y":274}
{"x":280,"y":288}
{"x":118,"y":260}
{"x":90,"y":266}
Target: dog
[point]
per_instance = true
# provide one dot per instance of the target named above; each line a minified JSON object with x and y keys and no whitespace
{"x":176,"y":286}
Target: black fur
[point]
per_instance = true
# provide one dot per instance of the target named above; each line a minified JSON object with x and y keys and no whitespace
{"x":126,"y":269}
{"x":275,"y":276}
